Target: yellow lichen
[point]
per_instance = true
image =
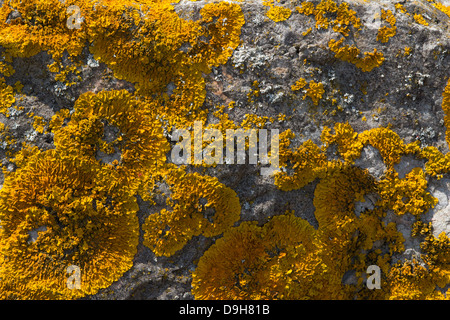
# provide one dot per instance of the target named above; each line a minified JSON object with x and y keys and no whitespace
{"x":446,"y":108}
{"x":445,"y":9}
{"x":335,"y":208}
{"x":111,"y":146}
{"x":133,"y":129}
{"x":254,"y":92}
{"x":420,"y":19}
{"x":133,"y":57}
{"x":76,"y":204}
{"x":277,"y":261}
{"x":407,"y":195}
{"x":345,"y":17}
{"x":81,"y":222}
{"x":315,"y":92}
{"x":401,"y":8}
{"x":201,"y":205}
{"x":348,"y":143}
{"x":7,"y":98}
{"x":307,"y":32}
{"x":278,"y":13}
{"x":333,"y":247}
{"x":351,"y":54}
{"x":384,"y":33}
{"x":407,"y":51}
{"x":310,"y":162}
{"x":299,"y":84}
{"x":39,"y":124}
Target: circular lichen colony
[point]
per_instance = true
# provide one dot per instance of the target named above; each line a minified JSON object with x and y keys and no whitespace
{"x":280,"y":260}
{"x":116,"y":129}
{"x":201,"y":206}
{"x":55,"y":213}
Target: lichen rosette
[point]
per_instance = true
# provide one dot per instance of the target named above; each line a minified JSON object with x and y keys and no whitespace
{"x":54,"y":213}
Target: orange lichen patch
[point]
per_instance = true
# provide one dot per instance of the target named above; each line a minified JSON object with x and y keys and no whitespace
{"x":63,"y":73}
{"x":342,"y":16}
{"x":347,"y":141}
{"x":254,"y":93}
{"x":299,"y":84}
{"x":407,"y":51}
{"x":19,"y":41}
{"x":224,"y":119}
{"x":41,"y":26}
{"x":334,"y":210}
{"x":437,"y":257}
{"x":7,"y":98}
{"x":339,"y":223}
{"x":401,"y":8}
{"x":351,"y":54}
{"x":384,"y":33}
{"x":225,"y":32}
{"x":58,"y":120}
{"x":420,"y":19}
{"x":437,"y":163}
{"x":388,"y":143}
{"x":308,"y":31}
{"x":412,"y":281}
{"x":221,"y":23}
{"x":312,"y":270}
{"x":278,"y":13}
{"x":308,"y":162}
{"x":219,"y":278}
{"x":39,"y":124}
{"x":408,"y":195}
{"x":201,"y":205}
{"x":306,"y":8}
{"x":446,"y":108}
{"x":252,"y":121}
{"x":58,"y":212}
{"x":284,"y":142}
{"x":341,"y":185}
{"x":443,"y":8}
{"x":114,"y":124}
{"x":401,"y":195}
{"x":6,"y":69}
{"x":315,"y":91}
{"x":276,"y":261}
{"x":138,"y":59}
{"x":424,"y":276}
{"x":123,"y":36}
{"x":348,"y":240}
{"x":422,"y":279}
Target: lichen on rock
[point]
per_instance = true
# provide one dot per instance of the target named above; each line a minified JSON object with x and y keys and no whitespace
{"x":357,"y":90}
